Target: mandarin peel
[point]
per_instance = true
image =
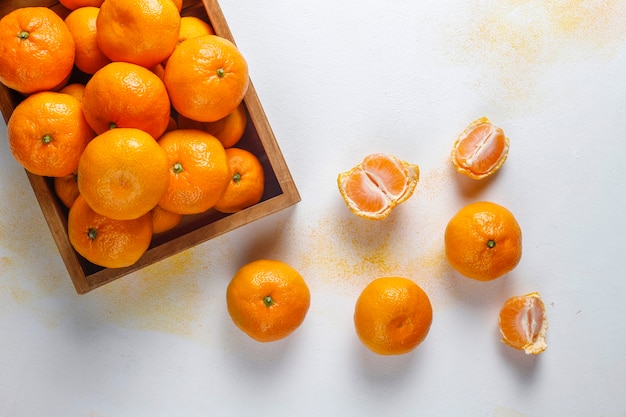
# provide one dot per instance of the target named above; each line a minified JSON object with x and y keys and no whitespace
{"x":480,"y":150}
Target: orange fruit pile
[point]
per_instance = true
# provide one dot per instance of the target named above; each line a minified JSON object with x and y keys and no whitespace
{"x":267,"y":299}
{"x":140,"y":129}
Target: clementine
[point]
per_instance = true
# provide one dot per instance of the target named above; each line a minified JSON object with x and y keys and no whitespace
{"x":75,"y":4}
{"x":66,"y":188}
{"x":123,"y":173}
{"x":82,"y":25}
{"x":378,"y":184}
{"x":267,"y":299}
{"x":523,"y":323}
{"x":483,"y":241}
{"x":75,"y":90}
{"x":36,"y":50}
{"x":198,"y":171}
{"x":163,"y":220}
{"x":247,"y":181}
{"x":229,"y":130}
{"x":104,"y":241}
{"x":480,"y":150}
{"x":143,"y":32}
{"x":126,"y":95}
{"x":47,"y":133}
{"x":206,"y":77}
{"x":392,"y":315}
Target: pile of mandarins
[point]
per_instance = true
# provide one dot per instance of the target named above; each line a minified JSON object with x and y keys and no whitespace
{"x":134,"y":111}
{"x":150,"y":137}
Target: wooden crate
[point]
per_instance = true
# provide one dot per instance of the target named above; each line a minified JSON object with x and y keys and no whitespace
{"x":280,"y":190}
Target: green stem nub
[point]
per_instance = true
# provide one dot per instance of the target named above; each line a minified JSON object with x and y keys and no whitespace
{"x":267,"y":300}
{"x":46,"y":139}
{"x":177,"y":168}
{"x":491,"y":243}
{"x":112,"y":125}
{"x":23,"y":35}
{"x":92,"y":233}
{"x":221,"y":72}
{"x":237,"y":177}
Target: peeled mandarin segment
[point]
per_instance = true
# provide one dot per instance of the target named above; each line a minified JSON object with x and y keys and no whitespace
{"x":523,"y":323}
{"x":480,"y":150}
{"x":374,"y":187}
{"x":362,"y":193}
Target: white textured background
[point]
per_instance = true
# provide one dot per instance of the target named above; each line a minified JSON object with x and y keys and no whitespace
{"x":339,"y":80}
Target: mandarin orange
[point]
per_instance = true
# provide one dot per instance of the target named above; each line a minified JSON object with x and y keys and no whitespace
{"x":107,"y":242}
{"x":247,"y":181}
{"x":123,"y":173}
{"x":392,"y":315}
{"x":82,"y":25}
{"x":229,"y":130}
{"x":36,"y":50}
{"x":75,"y":4}
{"x":207,"y":78}
{"x":75,"y":90}
{"x":47,"y":133}
{"x":66,"y":188}
{"x":480,"y":150}
{"x":122,"y":94}
{"x":523,"y":323}
{"x":163,"y":220}
{"x":378,"y":184}
{"x":268,"y":299}
{"x":198,"y":171}
{"x":483,"y":241}
{"x":142,"y":32}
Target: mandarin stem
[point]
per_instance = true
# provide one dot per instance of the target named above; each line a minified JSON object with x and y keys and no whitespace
{"x":46,"y":139}
{"x":267,"y":300}
{"x":23,"y":35}
{"x":92,"y":233}
{"x":491,"y":243}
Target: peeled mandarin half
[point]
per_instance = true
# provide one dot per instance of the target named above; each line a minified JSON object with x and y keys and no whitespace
{"x":480,"y":150}
{"x":523,"y":323}
{"x":379,"y":183}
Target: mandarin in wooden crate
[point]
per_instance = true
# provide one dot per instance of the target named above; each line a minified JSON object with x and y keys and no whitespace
{"x":280,"y":190}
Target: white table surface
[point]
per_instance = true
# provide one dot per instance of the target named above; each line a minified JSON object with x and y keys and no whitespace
{"x":339,"y":80}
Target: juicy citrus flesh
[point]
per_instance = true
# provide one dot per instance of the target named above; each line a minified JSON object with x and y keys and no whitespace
{"x":268,"y":299}
{"x":483,"y":241}
{"x":106,"y":242}
{"x":480,"y":150}
{"x":379,"y":183}
{"x":523,"y":323}
{"x":36,"y":50}
{"x":47,"y":133}
{"x":392,"y":316}
{"x":198,"y":170}
{"x":123,"y":173}
{"x":247,"y":182}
